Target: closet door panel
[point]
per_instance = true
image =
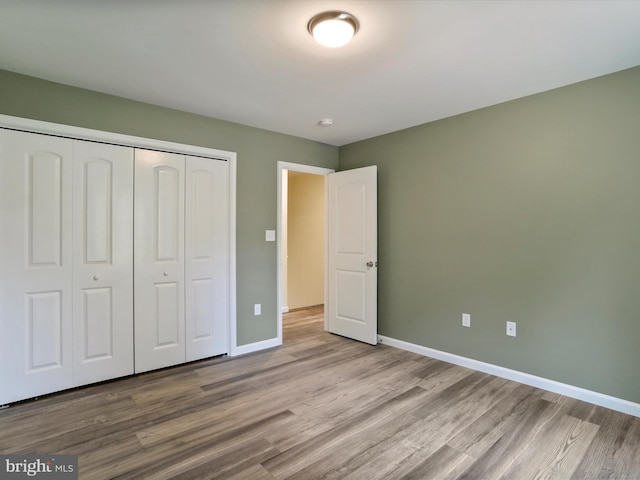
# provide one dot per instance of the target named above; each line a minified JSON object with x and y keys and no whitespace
{"x":103,"y":262}
{"x":159,"y":260}
{"x":35,"y":261}
{"x":207,"y":260}
{"x":44,"y":331}
{"x":167,"y":323}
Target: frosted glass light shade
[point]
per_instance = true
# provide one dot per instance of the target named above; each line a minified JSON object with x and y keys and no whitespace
{"x":333,"y":29}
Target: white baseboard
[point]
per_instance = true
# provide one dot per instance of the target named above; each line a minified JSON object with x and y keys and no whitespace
{"x":596,"y":398}
{"x":254,"y":347}
{"x":285,"y":309}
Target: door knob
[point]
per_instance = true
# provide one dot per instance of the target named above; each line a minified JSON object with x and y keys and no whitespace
{"x":369,"y":264}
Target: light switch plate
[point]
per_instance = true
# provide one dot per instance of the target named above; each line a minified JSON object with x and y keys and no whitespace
{"x":466,"y":320}
{"x":270,"y":235}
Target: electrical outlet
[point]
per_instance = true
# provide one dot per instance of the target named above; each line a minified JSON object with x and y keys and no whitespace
{"x":257,"y":309}
{"x":466,"y":320}
{"x":511,"y":329}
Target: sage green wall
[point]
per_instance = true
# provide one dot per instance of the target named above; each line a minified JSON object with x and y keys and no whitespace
{"x":258,"y":152}
{"x":528,"y":211}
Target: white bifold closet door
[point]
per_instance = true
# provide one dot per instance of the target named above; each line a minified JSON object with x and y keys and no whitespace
{"x":159,"y":260}
{"x":36,"y":279}
{"x":181,"y":258}
{"x":65,"y":262}
{"x":102,"y":262}
{"x":207,"y":257}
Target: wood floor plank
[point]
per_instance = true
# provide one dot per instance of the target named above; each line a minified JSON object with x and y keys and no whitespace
{"x":301,"y":456}
{"x":204,"y":465}
{"x":476,"y":395}
{"x":600,"y":460}
{"x":254,"y":472}
{"x":230,"y":367}
{"x":627,"y":465}
{"x":295,"y":431}
{"x":401,"y":452}
{"x":577,"y":408}
{"x":615,"y":450}
{"x":88,"y":416}
{"x":195,"y":447}
{"x":349,"y":447}
{"x":438,"y":383}
{"x":428,"y":435}
{"x":555,"y":452}
{"x":323,"y":406}
{"x":479,"y":436}
{"x":379,"y":459}
{"x":433,"y":368}
{"x":444,"y":461}
{"x":502,"y":453}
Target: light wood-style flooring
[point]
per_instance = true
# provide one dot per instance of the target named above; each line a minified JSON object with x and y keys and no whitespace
{"x":322,"y":406}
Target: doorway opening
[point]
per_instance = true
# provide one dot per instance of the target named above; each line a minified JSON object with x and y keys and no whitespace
{"x":302,"y":238}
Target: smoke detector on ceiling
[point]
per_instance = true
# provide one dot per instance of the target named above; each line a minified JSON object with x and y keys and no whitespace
{"x":326,"y":122}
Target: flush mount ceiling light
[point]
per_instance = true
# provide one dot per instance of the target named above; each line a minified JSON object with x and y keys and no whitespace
{"x":333,"y":29}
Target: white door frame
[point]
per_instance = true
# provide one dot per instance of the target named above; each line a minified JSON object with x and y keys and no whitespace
{"x":296,"y":167}
{"x":37,"y":126}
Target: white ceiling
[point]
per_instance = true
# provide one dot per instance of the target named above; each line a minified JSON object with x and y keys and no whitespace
{"x":253,"y":61}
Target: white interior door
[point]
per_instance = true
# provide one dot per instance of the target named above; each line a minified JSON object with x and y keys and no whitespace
{"x":206,"y":257}
{"x":353,"y":254}
{"x":159,"y":259}
{"x":35,"y":265}
{"x":102,"y":261}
